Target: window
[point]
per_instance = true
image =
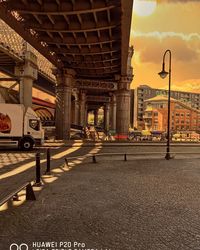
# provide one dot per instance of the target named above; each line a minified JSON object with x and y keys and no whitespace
{"x":34,"y":124}
{"x":177,"y":114}
{"x":182,"y":122}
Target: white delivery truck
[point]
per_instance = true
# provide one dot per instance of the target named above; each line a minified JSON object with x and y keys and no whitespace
{"x":20,"y":126}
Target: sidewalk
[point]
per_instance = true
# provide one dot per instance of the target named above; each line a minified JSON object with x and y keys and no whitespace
{"x":139,"y":204}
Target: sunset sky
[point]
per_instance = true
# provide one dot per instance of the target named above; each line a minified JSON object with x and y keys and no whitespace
{"x":166,"y":24}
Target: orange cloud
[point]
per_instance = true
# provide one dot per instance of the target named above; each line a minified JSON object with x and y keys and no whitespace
{"x":177,"y":1}
{"x":150,"y":46}
{"x":168,"y":28}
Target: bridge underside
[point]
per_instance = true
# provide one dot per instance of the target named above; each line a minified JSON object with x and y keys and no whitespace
{"x":88,"y":43}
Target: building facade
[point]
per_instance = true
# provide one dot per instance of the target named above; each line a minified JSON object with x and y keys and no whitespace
{"x":144,"y":92}
{"x":182,"y":117}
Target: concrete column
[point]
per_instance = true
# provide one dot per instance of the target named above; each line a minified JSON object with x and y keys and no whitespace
{"x":106,"y":116}
{"x":113,"y":112}
{"x":96,"y":117}
{"x":27,"y":73}
{"x":82,"y":107}
{"x":65,"y":81}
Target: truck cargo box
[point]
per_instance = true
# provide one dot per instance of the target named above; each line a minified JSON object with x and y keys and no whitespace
{"x":11,"y":120}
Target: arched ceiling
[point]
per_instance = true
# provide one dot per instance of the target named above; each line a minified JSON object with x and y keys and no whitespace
{"x":89,"y":36}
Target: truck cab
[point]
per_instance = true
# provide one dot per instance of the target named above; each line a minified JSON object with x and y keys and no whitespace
{"x":33,"y":133}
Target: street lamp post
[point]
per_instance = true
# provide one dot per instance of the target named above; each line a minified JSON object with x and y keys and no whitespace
{"x":163,"y":74}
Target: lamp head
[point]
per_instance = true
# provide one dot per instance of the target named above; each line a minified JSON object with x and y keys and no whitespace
{"x":163,"y":73}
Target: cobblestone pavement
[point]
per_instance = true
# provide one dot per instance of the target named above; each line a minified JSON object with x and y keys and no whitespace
{"x":147,"y":204}
{"x":18,"y":167}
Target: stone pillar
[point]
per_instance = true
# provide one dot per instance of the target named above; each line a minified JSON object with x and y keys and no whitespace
{"x":75,"y":107}
{"x":65,"y":82}
{"x":123,"y":107}
{"x":27,"y":73}
{"x":86,"y":114}
{"x":73,"y":112}
{"x":76,"y":112}
{"x":82,"y":107}
{"x":113,"y":112}
{"x":106,"y":116}
{"x":96,"y":117}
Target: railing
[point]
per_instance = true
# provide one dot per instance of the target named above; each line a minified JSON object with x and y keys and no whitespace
{"x":29,"y":189}
{"x":124,"y":155}
{"x":14,"y":195}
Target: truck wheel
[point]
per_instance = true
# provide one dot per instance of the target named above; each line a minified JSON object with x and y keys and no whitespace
{"x":26,"y":144}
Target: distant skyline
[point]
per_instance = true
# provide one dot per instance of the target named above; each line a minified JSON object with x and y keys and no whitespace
{"x":166,"y":24}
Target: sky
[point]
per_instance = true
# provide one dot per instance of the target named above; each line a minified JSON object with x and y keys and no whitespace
{"x":161,"y":25}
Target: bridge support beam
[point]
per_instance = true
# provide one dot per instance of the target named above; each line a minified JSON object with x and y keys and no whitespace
{"x":65,"y":81}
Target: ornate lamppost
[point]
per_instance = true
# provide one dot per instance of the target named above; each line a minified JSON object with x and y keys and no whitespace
{"x":163,"y":74}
